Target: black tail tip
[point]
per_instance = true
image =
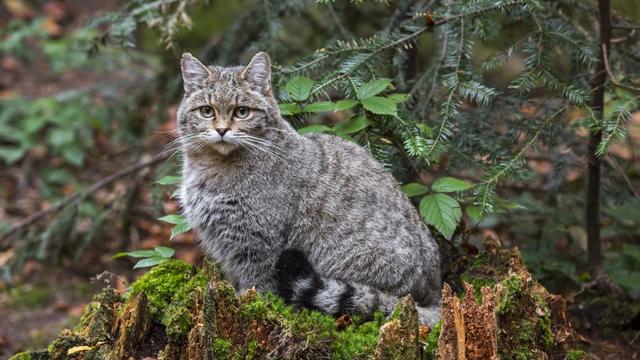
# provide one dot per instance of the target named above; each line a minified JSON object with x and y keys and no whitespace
{"x":291,"y":266}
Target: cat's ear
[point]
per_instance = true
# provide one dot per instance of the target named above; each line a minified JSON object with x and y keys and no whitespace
{"x":194,"y":73}
{"x":258,"y":71}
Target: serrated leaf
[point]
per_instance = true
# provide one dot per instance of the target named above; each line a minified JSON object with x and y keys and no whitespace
{"x":321,"y":106}
{"x":345,"y":104}
{"x":315,"y":129}
{"x":149,"y":262}
{"x":165,"y":252}
{"x":414,"y":189}
{"x":372,"y":88}
{"x":180,"y":229}
{"x":169,"y":180}
{"x":450,"y":184}
{"x":380,"y":105}
{"x":289,"y":109}
{"x":441,"y":211}
{"x":173,"y":219}
{"x":398,"y":97}
{"x":299,"y":88}
{"x":352,"y":125}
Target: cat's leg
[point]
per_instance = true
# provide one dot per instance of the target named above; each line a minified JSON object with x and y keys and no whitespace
{"x":301,"y":286}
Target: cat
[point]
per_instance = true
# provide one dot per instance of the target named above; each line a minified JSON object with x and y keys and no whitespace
{"x":313,"y":218}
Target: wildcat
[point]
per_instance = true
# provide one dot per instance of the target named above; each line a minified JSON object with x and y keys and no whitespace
{"x":313,"y":218}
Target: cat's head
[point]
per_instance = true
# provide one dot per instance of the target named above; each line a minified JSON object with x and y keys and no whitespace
{"x":224,"y":109}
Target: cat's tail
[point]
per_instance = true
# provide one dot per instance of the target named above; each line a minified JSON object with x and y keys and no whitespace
{"x":300,"y":285}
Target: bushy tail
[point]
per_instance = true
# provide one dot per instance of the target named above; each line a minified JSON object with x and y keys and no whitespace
{"x":301,"y":286}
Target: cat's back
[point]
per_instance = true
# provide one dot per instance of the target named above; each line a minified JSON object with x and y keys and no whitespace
{"x":352,"y":185}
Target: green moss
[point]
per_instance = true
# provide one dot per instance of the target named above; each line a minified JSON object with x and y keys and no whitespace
{"x":21,"y":356}
{"x":65,"y":341}
{"x":178,"y":317}
{"x":161,"y":284}
{"x":359,"y":340}
{"x":97,"y":318}
{"x":509,"y":300}
{"x":221,"y":349}
{"x":544,"y":326}
{"x":575,"y":354}
{"x":432,"y":342}
{"x":31,"y":355}
{"x":253,"y":350}
{"x":478,"y":283}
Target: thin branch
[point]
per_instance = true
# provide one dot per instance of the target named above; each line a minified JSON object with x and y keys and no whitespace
{"x":80,"y":196}
{"x":346,"y":34}
{"x":619,"y":169}
{"x":607,"y":67}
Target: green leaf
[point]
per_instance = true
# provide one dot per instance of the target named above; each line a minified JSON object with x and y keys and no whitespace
{"x":321,"y":106}
{"x":173,"y":219}
{"x":149,"y":262}
{"x":345,"y":104}
{"x":11,"y":155}
{"x":59,"y":137}
{"x":352,"y":125}
{"x":169,"y":180}
{"x":165,"y":252}
{"x":315,"y":129}
{"x":441,"y":211}
{"x":450,"y":184}
{"x":136,"y":254}
{"x":414,"y":189}
{"x":289,"y":109}
{"x":398,"y":97}
{"x":73,"y":155}
{"x":380,"y":105}
{"x":299,"y":88}
{"x":372,"y":88}
{"x":474,"y":212}
{"x":180,"y":229}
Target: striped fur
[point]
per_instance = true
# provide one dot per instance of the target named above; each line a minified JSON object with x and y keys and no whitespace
{"x":261,"y":188}
{"x":302,"y":287}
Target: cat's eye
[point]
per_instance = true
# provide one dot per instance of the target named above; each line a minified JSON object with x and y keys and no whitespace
{"x":241,"y":112}
{"x":207,"y":111}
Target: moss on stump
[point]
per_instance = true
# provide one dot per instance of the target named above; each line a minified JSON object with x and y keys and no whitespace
{"x":177,"y":312}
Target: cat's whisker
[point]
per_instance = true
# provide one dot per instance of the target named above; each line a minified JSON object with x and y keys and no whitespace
{"x":265,"y":148}
{"x":262,"y":148}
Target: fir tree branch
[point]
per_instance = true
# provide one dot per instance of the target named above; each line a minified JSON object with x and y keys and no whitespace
{"x":495,"y":178}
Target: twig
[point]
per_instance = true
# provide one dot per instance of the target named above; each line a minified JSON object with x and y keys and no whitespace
{"x":346,"y":34}
{"x":79,"y":196}
{"x":619,"y":169}
{"x":607,"y":67}
{"x":626,"y":27}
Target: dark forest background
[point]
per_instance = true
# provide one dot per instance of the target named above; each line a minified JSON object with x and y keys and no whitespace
{"x":512,"y":119}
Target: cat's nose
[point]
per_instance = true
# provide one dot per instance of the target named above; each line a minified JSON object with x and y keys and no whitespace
{"x":222,"y":131}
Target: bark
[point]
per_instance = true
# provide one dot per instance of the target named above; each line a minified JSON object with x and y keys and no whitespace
{"x":594,"y":244}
